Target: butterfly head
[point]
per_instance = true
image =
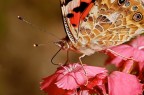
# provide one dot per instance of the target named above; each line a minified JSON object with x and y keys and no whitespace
{"x":63,"y":44}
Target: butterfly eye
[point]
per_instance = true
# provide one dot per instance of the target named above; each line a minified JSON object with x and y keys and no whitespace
{"x":137,"y":16}
{"x":120,"y":2}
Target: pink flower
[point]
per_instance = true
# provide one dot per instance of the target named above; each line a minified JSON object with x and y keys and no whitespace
{"x":67,"y":79}
{"x":49,"y":86}
{"x":83,"y":92}
{"x":98,"y":84}
{"x":133,"y":50}
{"x":120,"y":83}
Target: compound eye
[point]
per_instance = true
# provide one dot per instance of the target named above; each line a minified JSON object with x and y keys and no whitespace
{"x":137,"y":17}
{"x":121,"y":2}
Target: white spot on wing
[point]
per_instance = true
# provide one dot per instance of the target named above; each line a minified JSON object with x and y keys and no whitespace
{"x":113,"y":17}
{"x":68,"y":8}
{"x":112,"y":1}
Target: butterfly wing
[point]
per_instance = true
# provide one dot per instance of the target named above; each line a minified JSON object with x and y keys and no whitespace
{"x":73,"y":11}
{"x":110,"y":23}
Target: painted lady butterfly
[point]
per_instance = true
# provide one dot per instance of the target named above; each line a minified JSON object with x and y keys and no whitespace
{"x":95,"y":25}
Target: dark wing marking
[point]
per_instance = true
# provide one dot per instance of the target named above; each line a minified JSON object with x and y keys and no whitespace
{"x":73,"y":11}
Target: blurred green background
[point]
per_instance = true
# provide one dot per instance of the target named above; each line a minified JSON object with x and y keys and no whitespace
{"x":21,"y":65}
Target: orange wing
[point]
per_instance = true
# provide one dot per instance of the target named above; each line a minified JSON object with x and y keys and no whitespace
{"x":73,"y":11}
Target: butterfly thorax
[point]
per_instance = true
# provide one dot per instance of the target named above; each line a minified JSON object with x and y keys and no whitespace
{"x":105,"y":23}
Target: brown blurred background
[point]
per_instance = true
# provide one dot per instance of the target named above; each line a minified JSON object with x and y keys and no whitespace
{"x":21,"y":65}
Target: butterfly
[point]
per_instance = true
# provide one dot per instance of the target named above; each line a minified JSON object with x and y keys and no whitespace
{"x":96,"y":25}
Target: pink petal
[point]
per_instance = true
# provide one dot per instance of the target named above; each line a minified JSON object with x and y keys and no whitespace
{"x":138,"y":55}
{"x":96,"y":81}
{"x":116,"y":61}
{"x":97,"y":84}
{"x":71,"y":81}
{"x":49,"y":87}
{"x":47,"y":81}
{"x":141,"y":66}
{"x":67,"y":82}
{"x":123,"y":50}
{"x":68,"y":78}
{"x":128,"y":66}
{"x":138,"y":42}
{"x":72,"y":77}
{"x":123,"y":84}
{"x":81,"y":78}
{"x":93,"y":71}
{"x":76,"y":77}
{"x":131,"y":50}
{"x":83,"y":92}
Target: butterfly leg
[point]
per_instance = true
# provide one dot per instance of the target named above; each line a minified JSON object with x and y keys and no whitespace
{"x":82,"y":63}
{"x":83,"y":67}
{"x":67,"y":60}
{"x":55,"y":56}
{"x":117,"y":54}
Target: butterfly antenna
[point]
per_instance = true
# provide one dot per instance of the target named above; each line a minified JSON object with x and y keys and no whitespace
{"x":36,"y":27}
{"x":38,"y":45}
{"x":22,"y":19}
